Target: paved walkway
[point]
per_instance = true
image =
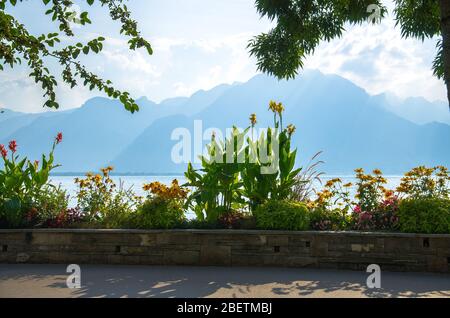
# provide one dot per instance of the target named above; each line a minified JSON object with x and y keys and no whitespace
{"x":158,"y":281}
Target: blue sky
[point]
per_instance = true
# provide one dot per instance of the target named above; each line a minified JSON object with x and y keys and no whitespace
{"x":199,"y":44}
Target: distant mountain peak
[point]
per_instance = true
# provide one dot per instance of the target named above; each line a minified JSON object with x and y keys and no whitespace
{"x":353,"y":128}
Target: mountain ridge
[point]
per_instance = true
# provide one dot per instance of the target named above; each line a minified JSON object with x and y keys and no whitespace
{"x":331,"y":113}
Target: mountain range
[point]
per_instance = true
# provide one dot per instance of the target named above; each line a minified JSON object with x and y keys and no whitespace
{"x":333,"y":115}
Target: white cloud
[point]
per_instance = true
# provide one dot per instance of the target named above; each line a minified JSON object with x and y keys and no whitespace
{"x":178,"y":67}
{"x":20,"y":93}
{"x":378,"y":59}
{"x":188,"y":58}
{"x":131,"y":62}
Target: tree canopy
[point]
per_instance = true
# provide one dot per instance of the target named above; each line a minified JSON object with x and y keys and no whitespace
{"x":17,"y":44}
{"x":302,"y":25}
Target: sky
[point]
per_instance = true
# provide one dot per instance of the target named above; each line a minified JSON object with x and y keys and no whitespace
{"x":199,"y":44}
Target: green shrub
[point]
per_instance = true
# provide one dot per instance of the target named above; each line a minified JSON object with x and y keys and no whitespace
{"x":159,"y":213}
{"x":20,"y":182}
{"x":103,"y":203}
{"x":12,"y":212}
{"x":328,"y":220}
{"x":425,"y":215}
{"x":47,"y":205}
{"x":282,"y":215}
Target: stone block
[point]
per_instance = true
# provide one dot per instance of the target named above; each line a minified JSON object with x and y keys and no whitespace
{"x":364,"y":248}
{"x":68,"y":258}
{"x":181,"y":257}
{"x":88,"y":248}
{"x":397,"y":245}
{"x":12,"y":237}
{"x":22,"y":257}
{"x":147,"y":239}
{"x":440,"y":243}
{"x":151,"y":260}
{"x":277,"y":240}
{"x":300,"y":240}
{"x":116,"y":259}
{"x":100,"y":259}
{"x":141,"y":250}
{"x":298,"y":250}
{"x":215,"y":255}
{"x":42,"y":238}
{"x":438,"y":264}
{"x":443,"y":252}
{"x":233,"y":239}
{"x":105,"y":238}
{"x":338,"y":246}
{"x":246,"y":260}
{"x":171,"y":238}
{"x":299,"y":261}
{"x":319,"y":248}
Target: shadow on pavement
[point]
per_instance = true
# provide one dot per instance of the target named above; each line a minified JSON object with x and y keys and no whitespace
{"x":160,"y":281}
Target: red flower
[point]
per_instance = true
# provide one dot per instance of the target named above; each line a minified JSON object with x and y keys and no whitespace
{"x":31,"y":215}
{"x":59,"y":138}
{"x":366,"y":216}
{"x":3,"y":151}
{"x":13,"y":146}
{"x":357,"y":209}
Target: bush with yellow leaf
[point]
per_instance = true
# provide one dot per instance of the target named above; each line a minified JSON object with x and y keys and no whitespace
{"x":104,"y":203}
{"x":164,"y":207}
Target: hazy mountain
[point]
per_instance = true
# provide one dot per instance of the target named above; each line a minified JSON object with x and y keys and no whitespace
{"x":332,"y":114}
{"x":416,"y":109}
{"x":194,"y":104}
{"x":8,"y":114}
{"x":93,"y":133}
{"x":11,"y":121}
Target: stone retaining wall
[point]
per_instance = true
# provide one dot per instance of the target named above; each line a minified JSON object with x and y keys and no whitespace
{"x":343,"y":250}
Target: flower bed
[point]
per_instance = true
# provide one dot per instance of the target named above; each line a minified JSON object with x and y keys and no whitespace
{"x":248,"y":191}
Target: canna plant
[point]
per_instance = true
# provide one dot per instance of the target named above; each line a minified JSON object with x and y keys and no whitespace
{"x":219,"y":189}
{"x":268,"y":172}
{"x":240,"y":172}
{"x":21,"y":180}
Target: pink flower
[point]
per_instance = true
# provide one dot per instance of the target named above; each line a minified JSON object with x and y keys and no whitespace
{"x":357,"y":209}
{"x":13,"y":146}
{"x":366,"y":216}
{"x":59,"y":138}
{"x":3,"y":151}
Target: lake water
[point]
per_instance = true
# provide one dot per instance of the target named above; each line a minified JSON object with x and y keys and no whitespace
{"x":136,"y":182}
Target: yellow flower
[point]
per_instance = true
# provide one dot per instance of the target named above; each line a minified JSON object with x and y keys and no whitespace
{"x":329,"y":184}
{"x":276,"y":107}
{"x":291,"y":129}
{"x":280,"y":108}
{"x":160,"y":190}
{"x":377,"y":172}
{"x":253,"y":120}
{"x":273,"y":106}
